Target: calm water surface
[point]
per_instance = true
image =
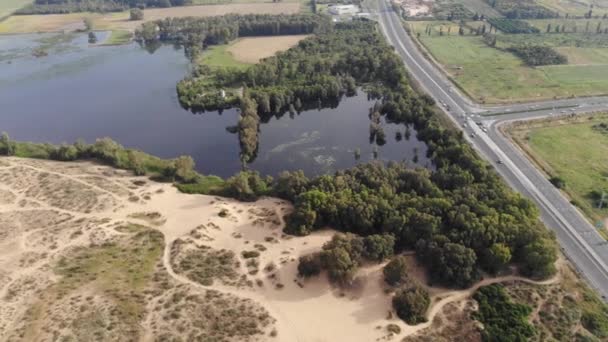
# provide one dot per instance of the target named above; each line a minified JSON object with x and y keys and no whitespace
{"x":128,"y":94}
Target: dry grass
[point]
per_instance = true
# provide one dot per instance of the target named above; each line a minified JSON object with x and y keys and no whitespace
{"x":252,"y":50}
{"x":120,"y":21}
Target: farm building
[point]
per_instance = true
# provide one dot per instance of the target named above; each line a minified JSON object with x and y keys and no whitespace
{"x":343,"y":9}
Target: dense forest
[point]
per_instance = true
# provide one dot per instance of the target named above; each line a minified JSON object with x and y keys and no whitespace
{"x":72,"y":6}
{"x":460,"y":218}
{"x":535,"y":55}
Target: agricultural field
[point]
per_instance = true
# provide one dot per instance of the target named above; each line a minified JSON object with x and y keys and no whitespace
{"x":493,"y":75}
{"x":7,"y":7}
{"x":570,"y":25}
{"x":575,"y":7}
{"x":120,"y":21}
{"x":251,"y":50}
{"x":574,"y":150}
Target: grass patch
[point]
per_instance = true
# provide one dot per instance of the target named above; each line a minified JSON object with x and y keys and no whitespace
{"x":205,"y":185}
{"x":502,"y":319}
{"x":119,"y":271}
{"x":118,"y":37}
{"x":7,"y":7}
{"x":576,"y":152}
{"x":203,"y":264}
{"x":575,"y":7}
{"x":494,"y":75}
{"x":219,"y":57}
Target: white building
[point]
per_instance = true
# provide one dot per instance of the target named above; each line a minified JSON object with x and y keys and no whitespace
{"x":343,"y":9}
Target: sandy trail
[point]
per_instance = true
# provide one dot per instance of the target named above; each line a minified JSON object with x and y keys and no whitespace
{"x":305,"y":311}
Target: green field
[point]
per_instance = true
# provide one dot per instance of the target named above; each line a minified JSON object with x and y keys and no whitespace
{"x":575,"y":7}
{"x":7,"y":7}
{"x":494,"y":75}
{"x":576,"y":152}
{"x":118,"y":37}
{"x":219,"y":56}
{"x":572,"y":25}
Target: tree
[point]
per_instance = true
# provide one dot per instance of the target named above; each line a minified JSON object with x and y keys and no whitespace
{"x":496,"y":257}
{"x":395,"y":272}
{"x":92,"y":38}
{"x":290,"y":184}
{"x":341,"y":266}
{"x":136,"y":14}
{"x":135,"y":161}
{"x":309,"y":265}
{"x":7,"y":147}
{"x":88,"y":24}
{"x":65,"y":153}
{"x":378,"y":247}
{"x":411,"y":303}
{"x":538,"y":259}
{"x":451,"y":263}
{"x":184,"y":169}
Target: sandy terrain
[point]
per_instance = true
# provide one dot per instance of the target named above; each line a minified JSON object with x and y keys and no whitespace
{"x":116,"y":21}
{"x":68,"y":230}
{"x":416,"y":8}
{"x":252,"y":50}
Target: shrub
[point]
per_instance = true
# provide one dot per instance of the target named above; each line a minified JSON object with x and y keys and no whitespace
{"x":596,"y":323}
{"x":393,"y":328}
{"x":250,"y":254}
{"x":502,"y":319}
{"x":137,"y":14}
{"x":558,"y":182}
{"x":410,"y":304}
{"x":7,"y":147}
{"x":395,"y":272}
{"x":309,"y":265}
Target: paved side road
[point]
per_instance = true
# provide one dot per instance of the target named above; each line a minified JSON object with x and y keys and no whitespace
{"x":579,"y":240}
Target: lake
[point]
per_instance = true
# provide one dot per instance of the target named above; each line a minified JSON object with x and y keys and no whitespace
{"x":128,"y":94}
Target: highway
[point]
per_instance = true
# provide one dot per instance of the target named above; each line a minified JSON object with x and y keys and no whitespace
{"x":579,"y":240}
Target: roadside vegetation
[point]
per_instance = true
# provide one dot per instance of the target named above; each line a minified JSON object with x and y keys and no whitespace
{"x":502,"y":319}
{"x":572,"y":152}
{"x":492,"y":65}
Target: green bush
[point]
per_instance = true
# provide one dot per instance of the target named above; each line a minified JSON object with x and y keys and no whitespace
{"x":395,"y":272}
{"x":411,"y":303}
{"x":596,"y":323}
{"x":250,"y":254}
{"x":502,"y":319}
{"x":136,"y":14}
{"x":309,"y":265}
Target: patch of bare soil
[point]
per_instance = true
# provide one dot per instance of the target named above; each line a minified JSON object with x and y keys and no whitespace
{"x":81,"y":260}
{"x":252,"y":50}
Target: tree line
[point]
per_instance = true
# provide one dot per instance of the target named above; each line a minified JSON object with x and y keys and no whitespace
{"x":536,"y":55}
{"x":522,"y":9}
{"x":72,"y":6}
